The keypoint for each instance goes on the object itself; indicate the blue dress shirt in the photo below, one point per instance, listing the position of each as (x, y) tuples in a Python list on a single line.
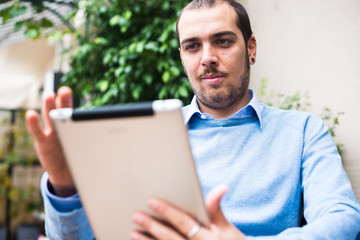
[(280, 166)]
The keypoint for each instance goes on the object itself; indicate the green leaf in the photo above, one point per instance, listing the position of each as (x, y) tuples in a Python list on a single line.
[(127, 14), (174, 71), (123, 29), (118, 71), (153, 46), (102, 9), (132, 47), (163, 37), (107, 58), (148, 79), (32, 33), (122, 60), (5, 14), (183, 91), (19, 25), (140, 47), (46, 23), (100, 41), (166, 6), (17, 11), (162, 93), (103, 85), (163, 48), (114, 20), (166, 76), (136, 92), (127, 69), (174, 43)]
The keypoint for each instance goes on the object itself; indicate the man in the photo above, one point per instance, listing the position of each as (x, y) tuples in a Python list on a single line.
[(277, 166)]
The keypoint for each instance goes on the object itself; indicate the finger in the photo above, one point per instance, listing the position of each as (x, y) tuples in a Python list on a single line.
[(64, 98), (213, 205), (34, 125), (138, 235), (179, 219), (155, 227), (48, 105)]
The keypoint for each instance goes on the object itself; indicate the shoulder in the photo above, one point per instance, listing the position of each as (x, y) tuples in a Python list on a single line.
[(291, 118)]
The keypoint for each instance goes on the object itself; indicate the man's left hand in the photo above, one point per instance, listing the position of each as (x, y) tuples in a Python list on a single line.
[(183, 226)]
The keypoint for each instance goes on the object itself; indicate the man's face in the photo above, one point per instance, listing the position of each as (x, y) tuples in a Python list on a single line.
[(214, 56)]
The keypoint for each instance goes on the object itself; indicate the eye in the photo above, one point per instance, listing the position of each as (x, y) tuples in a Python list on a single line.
[(223, 41), (192, 47)]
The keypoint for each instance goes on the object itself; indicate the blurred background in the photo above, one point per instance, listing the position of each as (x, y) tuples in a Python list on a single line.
[(117, 51)]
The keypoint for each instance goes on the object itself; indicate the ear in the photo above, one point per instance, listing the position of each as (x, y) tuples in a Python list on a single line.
[(252, 49)]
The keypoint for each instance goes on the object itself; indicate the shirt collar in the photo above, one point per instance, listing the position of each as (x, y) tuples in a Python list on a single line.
[(253, 107)]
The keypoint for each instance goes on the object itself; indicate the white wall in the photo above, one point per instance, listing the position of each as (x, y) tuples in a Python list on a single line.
[(314, 45), (23, 67)]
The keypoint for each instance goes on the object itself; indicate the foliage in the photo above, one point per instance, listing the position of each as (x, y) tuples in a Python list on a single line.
[(298, 101), (21, 150), (127, 51), (29, 16), (18, 151)]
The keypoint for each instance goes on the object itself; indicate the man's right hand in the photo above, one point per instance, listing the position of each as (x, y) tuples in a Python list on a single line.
[(47, 145)]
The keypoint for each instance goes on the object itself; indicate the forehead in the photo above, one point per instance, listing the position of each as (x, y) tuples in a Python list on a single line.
[(205, 22)]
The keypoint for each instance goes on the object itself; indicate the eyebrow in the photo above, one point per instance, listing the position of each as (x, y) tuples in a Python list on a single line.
[(187, 40), (216, 35), (220, 34)]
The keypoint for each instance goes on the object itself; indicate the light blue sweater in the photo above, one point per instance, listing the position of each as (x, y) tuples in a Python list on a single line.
[(279, 165)]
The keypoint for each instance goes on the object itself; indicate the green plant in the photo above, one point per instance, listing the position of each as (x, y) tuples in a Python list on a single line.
[(299, 101), (18, 150), (127, 51), (28, 16)]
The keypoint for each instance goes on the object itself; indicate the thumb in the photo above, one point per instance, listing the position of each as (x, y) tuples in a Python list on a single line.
[(213, 205)]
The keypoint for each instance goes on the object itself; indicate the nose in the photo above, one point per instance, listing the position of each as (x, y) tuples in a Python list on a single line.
[(209, 57)]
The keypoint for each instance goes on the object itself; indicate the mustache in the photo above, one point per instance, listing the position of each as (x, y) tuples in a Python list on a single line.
[(211, 70)]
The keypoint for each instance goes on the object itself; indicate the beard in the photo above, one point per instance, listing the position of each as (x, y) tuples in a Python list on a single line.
[(231, 93)]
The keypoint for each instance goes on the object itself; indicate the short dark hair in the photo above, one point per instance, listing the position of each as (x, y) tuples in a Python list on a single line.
[(243, 21)]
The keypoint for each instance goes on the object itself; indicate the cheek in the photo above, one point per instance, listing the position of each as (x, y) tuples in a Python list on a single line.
[(234, 60), (191, 66)]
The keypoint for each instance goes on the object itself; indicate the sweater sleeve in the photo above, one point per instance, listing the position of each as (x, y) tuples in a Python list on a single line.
[(64, 217), (330, 206)]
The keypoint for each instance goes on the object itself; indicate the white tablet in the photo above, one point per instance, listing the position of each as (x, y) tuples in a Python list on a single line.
[(122, 155)]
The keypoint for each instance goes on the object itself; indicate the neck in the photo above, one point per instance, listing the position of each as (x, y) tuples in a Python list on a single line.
[(225, 112)]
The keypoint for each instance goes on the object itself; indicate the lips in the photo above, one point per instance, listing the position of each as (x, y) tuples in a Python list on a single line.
[(210, 76), (213, 79)]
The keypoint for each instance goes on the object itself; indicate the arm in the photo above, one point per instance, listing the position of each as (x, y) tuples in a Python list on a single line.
[(47, 145), (330, 207), (64, 219)]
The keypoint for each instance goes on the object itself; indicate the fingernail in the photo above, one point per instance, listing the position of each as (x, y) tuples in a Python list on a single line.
[(139, 219), (154, 204), (135, 235)]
